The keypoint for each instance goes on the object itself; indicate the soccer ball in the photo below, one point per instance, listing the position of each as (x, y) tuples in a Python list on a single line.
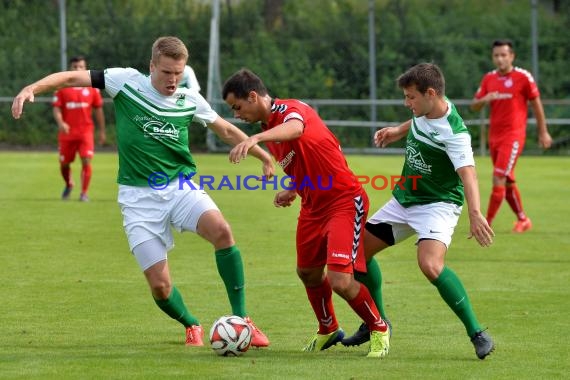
[(230, 335)]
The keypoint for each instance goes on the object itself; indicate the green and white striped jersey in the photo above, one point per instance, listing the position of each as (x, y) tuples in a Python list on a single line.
[(152, 129), (435, 149)]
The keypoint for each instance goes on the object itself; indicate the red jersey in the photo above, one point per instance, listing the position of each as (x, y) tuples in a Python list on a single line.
[(314, 161), (76, 104), (508, 113)]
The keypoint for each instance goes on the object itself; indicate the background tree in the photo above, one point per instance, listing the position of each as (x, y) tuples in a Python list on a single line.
[(310, 49)]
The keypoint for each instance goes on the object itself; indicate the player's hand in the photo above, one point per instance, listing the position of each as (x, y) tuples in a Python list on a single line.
[(268, 170), (491, 96), (64, 128), (386, 136), (481, 230), (102, 138), (544, 140), (284, 198), (26, 94), (239, 152)]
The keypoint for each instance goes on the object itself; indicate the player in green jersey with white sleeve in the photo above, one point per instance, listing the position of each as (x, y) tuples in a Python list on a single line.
[(156, 191), (189, 79), (438, 174)]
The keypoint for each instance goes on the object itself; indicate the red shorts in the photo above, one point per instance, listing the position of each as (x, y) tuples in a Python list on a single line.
[(335, 238), (68, 148), (504, 155)]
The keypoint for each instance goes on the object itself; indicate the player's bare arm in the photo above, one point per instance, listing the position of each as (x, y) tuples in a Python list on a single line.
[(290, 130), (479, 228), (232, 135), (49, 83), (544, 139), (388, 135)]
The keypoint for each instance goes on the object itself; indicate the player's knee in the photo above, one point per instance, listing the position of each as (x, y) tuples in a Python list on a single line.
[(430, 269), (311, 277), (219, 233), (222, 234), (499, 180), (340, 282), (340, 288), (161, 290)]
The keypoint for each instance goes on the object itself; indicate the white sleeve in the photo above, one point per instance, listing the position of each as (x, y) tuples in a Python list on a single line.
[(459, 150), (205, 114), (189, 79), (116, 77)]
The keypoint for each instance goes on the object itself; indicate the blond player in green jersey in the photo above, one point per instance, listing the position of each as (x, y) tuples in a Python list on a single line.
[(156, 192), (439, 173)]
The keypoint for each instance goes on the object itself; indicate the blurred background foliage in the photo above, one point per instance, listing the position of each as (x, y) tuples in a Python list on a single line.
[(307, 49)]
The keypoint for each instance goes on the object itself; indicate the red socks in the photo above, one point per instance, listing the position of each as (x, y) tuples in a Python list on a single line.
[(364, 306), (66, 174), (495, 200), (85, 178), (514, 198), (320, 298)]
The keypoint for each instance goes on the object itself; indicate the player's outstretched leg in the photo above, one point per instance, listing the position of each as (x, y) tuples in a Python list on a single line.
[(483, 344), (230, 268), (454, 294)]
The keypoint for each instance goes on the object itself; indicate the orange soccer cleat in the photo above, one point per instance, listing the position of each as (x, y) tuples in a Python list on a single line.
[(194, 335), (258, 338), (522, 226)]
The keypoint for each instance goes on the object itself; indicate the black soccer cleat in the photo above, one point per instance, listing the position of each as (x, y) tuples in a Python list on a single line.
[(362, 335), (483, 344)]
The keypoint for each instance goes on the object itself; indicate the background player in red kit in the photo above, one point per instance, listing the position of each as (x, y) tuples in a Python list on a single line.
[(72, 109), (333, 205), (507, 90)]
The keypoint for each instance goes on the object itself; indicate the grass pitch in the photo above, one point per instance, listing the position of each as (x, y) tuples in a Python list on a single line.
[(75, 305)]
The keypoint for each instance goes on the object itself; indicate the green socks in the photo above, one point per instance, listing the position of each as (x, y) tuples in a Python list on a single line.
[(175, 308), (453, 293), (448, 284), (373, 281), (230, 268)]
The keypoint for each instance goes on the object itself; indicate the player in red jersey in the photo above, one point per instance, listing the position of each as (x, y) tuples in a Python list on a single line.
[(72, 111), (507, 90), (334, 205)]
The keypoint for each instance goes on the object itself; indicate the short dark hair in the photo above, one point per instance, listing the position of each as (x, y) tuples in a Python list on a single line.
[(241, 83), (503, 42), (77, 58), (169, 46), (423, 76)]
